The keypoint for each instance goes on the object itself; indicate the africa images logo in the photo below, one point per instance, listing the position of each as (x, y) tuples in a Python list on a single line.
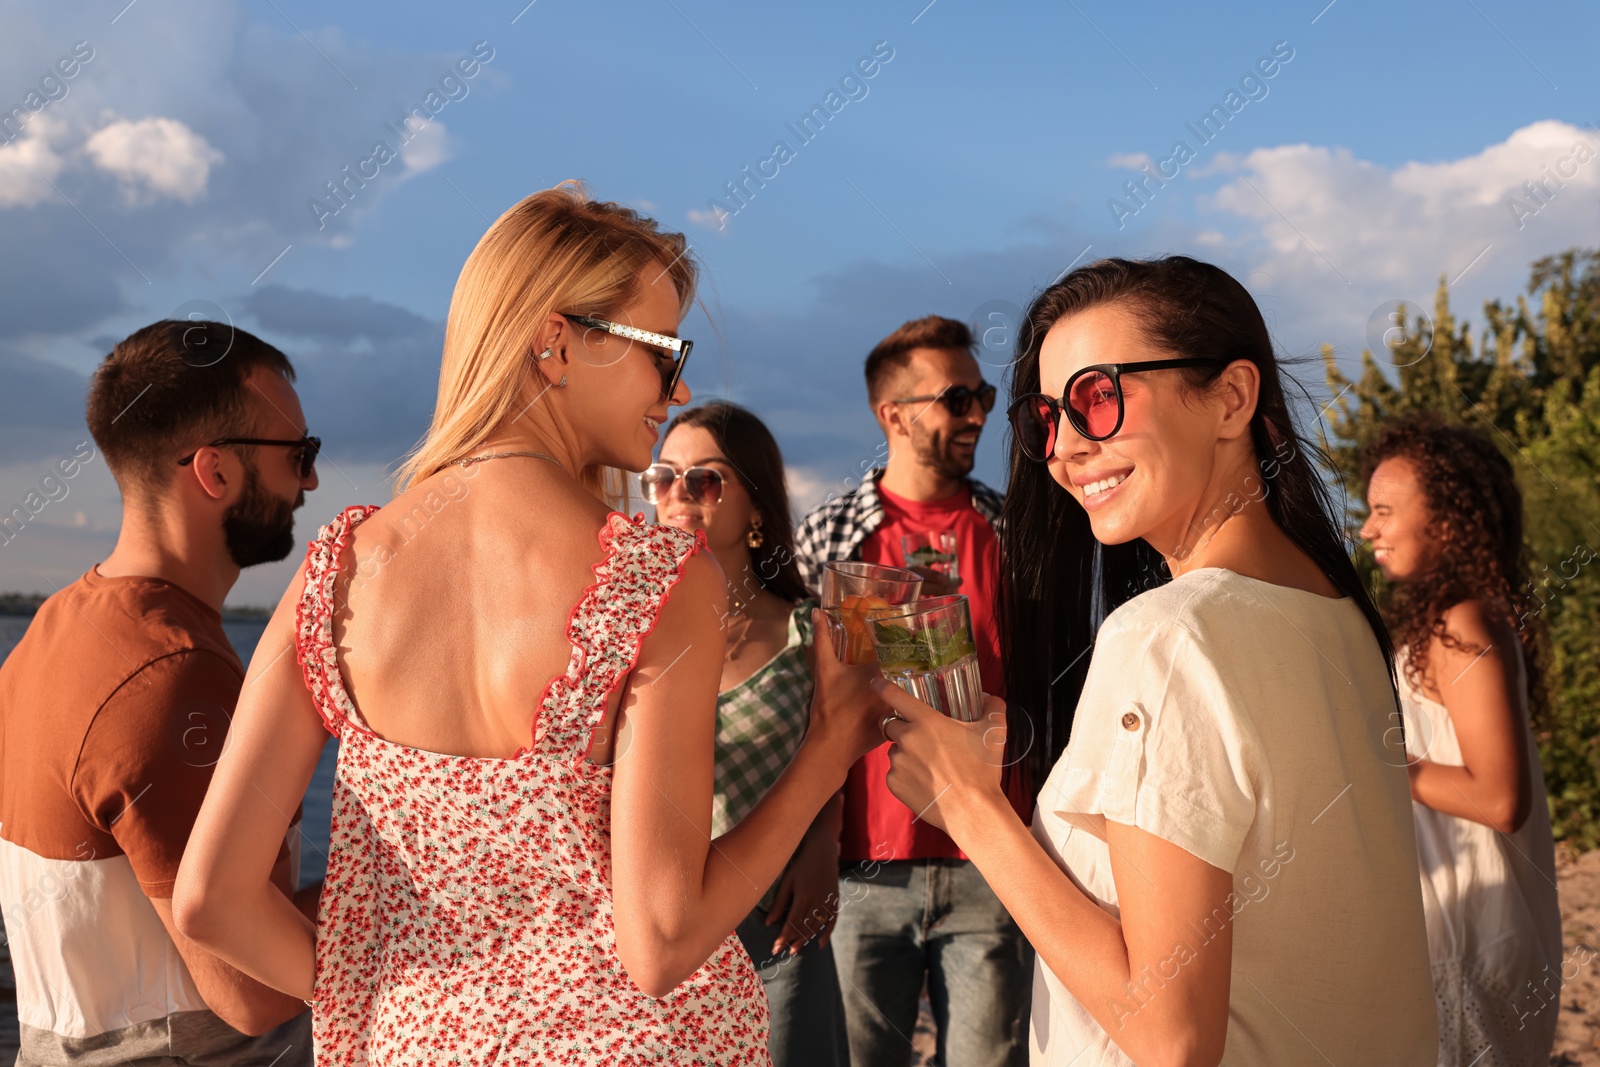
[(1252, 87)]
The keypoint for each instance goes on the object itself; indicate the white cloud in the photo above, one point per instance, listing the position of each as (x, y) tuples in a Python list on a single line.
[(276, 109), (428, 147), (154, 157), (1129, 160), (807, 489), (711, 220), (1322, 211), (28, 165), (1221, 163)]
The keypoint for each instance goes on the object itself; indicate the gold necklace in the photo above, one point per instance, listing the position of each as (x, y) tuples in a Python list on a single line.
[(737, 607), (470, 460), (744, 633)]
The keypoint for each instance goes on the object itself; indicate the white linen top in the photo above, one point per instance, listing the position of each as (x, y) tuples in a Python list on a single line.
[(1254, 726), (1494, 921)]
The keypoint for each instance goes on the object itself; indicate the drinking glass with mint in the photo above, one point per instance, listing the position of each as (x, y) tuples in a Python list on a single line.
[(927, 649)]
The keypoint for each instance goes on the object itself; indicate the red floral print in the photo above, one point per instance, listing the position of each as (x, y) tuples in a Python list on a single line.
[(466, 917)]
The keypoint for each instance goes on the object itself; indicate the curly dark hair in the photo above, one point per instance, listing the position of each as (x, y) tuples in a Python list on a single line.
[(1475, 517)]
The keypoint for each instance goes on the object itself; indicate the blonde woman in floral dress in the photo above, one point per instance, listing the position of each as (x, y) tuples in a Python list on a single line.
[(522, 869)]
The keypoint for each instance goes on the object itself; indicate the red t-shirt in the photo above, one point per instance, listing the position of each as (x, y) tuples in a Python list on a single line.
[(877, 826)]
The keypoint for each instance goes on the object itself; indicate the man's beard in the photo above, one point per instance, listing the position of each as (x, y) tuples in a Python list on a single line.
[(259, 527), (935, 451)]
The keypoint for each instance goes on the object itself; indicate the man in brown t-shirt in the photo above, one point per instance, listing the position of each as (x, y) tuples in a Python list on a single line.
[(115, 706)]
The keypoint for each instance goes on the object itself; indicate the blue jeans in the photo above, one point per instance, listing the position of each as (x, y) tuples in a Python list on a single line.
[(802, 998), (905, 921)]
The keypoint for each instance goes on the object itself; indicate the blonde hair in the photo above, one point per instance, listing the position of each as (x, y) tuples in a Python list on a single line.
[(556, 251)]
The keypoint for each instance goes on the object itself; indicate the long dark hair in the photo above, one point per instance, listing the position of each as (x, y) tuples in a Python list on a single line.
[(752, 452), (1059, 582), (1475, 517)]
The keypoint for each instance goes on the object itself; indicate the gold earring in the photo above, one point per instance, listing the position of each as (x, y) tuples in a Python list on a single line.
[(755, 538)]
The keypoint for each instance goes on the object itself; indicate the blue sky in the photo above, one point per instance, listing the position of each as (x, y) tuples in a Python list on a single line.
[(175, 169)]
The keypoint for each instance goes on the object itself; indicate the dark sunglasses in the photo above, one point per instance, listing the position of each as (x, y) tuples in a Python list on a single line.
[(669, 366), (1092, 401), (702, 485), (309, 447), (957, 399)]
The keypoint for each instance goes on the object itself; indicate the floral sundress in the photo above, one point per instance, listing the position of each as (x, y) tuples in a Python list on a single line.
[(467, 913)]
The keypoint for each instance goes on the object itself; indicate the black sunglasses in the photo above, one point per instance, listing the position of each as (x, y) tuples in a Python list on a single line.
[(309, 447), (670, 367), (957, 399), (702, 485), (1092, 401)]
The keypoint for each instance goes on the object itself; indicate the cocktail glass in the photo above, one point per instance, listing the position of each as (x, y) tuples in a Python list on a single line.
[(850, 590), (935, 549), (927, 650)]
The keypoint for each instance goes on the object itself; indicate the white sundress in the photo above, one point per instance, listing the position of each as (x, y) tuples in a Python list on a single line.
[(1494, 921)]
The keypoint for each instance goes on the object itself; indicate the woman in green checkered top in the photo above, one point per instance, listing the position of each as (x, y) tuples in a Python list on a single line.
[(721, 472)]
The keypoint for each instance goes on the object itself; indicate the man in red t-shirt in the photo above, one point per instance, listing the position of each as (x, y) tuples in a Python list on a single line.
[(913, 908)]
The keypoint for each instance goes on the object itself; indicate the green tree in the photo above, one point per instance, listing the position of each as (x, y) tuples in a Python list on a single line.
[(1532, 380)]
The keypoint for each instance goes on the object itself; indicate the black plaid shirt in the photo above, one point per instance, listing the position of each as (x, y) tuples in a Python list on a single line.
[(836, 528)]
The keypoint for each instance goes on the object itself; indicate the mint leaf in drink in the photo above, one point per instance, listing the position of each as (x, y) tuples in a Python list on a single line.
[(954, 652), (946, 641), (889, 633), (899, 648), (920, 647), (946, 648)]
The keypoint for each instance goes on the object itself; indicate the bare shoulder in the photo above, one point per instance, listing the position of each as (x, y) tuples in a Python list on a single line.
[(700, 596), (465, 519), (1476, 637), (1474, 627)]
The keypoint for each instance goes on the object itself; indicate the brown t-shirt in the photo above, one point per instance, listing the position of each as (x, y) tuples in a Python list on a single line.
[(113, 711)]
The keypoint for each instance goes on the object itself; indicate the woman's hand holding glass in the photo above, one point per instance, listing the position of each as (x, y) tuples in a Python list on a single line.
[(944, 770), (845, 707)]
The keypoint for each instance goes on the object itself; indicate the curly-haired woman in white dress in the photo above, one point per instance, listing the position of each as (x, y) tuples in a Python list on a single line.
[(1446, 529)]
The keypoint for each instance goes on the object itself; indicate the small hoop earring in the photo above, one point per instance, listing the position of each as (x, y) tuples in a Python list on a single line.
[(541, 357)]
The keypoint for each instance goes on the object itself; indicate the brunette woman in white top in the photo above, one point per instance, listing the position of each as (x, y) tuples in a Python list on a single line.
[(1222, 864), (1446, 529)]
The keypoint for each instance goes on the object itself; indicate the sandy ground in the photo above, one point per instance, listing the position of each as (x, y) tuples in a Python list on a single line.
[(1577, 1030)]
